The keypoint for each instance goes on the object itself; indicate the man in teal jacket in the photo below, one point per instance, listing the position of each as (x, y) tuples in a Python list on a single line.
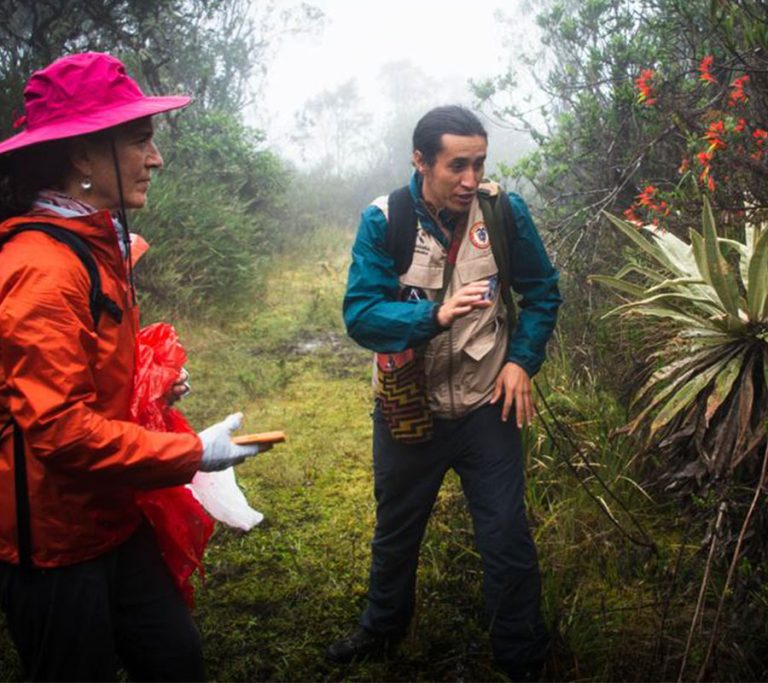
[(478, 373)]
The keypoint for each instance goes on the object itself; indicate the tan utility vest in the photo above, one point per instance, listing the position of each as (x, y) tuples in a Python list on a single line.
[(463, 362)]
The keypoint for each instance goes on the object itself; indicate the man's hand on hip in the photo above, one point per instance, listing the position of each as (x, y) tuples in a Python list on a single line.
[(515, 384), (464, 300)]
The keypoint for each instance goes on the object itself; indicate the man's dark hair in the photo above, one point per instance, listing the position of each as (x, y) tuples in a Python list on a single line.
[(451, 119)]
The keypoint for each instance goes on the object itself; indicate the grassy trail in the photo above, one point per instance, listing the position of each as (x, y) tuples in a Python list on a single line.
[(276, 596)]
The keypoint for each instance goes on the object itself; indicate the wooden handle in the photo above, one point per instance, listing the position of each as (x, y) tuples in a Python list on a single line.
[(261, 437)]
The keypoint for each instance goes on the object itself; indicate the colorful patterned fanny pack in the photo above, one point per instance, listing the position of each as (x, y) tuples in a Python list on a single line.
[(401, 391)]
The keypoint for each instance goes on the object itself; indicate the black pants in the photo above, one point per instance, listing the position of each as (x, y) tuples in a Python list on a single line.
[(486, 453), (77, 623)]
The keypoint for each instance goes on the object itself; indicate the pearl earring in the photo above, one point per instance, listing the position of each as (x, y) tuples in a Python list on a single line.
[(86, 184)]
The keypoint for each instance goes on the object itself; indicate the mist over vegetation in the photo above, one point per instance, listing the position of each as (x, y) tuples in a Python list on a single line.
[(638, 132)]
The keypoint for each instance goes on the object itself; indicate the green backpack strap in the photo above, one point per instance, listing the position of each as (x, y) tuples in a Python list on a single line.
[(500, 222)]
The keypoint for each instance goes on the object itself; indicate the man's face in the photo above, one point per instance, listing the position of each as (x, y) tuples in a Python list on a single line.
[(451, 182)]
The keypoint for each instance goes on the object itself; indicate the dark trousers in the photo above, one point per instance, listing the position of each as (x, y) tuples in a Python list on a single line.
[(486, 453), (77, 623)]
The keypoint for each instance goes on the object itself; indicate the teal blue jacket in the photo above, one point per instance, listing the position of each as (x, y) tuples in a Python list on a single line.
[(376, 319)]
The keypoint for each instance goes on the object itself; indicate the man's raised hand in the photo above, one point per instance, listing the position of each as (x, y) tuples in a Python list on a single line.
[(463, 301)]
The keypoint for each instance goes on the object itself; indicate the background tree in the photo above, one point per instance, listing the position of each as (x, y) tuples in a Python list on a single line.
[(598, 146), (210, 219), (332, 131)]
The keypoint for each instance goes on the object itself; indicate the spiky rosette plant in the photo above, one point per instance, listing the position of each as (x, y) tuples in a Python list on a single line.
[(705, 397)]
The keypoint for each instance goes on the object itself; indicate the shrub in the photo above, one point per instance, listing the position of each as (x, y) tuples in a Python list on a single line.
[(205, 248)]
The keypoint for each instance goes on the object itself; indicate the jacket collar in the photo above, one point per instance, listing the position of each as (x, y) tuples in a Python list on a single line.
[(97, 229), (425, 216)]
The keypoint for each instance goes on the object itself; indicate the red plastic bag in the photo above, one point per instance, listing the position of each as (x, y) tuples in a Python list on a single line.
[(181, 525)]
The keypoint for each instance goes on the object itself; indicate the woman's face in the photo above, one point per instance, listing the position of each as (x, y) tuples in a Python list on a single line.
[(137, 156)]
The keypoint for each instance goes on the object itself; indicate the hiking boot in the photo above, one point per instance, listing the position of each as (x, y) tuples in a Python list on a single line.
[(360, 643)]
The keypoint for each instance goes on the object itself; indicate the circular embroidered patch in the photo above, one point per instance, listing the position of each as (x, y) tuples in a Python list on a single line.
[(478, 235)]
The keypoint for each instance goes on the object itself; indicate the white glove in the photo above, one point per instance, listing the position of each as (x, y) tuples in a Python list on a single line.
[(181, 387), (218, 450)]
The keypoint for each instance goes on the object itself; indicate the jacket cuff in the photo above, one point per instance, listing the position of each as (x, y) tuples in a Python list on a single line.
[(435, 310), (530, 365)]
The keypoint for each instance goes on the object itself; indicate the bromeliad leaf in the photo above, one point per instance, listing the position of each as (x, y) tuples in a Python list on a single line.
[(723, 385), (671, 314), (648, 247), (678, 253), (718, 270), (683, 373), (618, 284), (685, 395), (644, 272), (671, 370), (757, 290), (677, 283), (669, 297)]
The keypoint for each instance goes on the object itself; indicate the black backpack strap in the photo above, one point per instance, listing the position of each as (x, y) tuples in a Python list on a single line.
[(23, 527), (23, 532), (400, 238), (500, 221), (98, 301)]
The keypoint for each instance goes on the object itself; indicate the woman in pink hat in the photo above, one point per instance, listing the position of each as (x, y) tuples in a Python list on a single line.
[(82, 582)]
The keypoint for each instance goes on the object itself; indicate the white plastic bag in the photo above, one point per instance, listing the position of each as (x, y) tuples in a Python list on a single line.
[(222, 498)]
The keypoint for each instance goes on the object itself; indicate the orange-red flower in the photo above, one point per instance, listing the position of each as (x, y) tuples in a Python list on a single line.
[(631, 216), (714, 135), (644, 86), (740, 126), (761, 138), (646, 197), (737, 94), (705, 70)]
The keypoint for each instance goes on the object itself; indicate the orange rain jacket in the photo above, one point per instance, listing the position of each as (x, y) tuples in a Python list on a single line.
[(68, 386)]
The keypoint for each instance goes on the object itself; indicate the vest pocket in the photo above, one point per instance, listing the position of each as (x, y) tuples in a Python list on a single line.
[(482, 358), (423, 276), (476, 269), (483, 341)]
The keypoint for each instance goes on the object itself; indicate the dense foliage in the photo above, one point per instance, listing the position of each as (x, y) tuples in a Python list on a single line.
[(651, 109), (648, 107), (212, 213), (619, 104)]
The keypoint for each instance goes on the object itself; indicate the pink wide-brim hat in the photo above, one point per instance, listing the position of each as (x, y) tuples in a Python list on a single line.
[(81, 94)]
